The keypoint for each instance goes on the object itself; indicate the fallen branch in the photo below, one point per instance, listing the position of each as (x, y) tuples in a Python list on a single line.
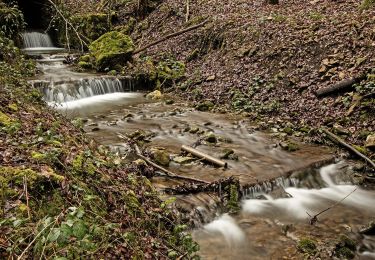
[(337, 139), (314, 219), (341, 86), (82, 42), (204, 156), (170, 36), (167, 172), (27, 196)]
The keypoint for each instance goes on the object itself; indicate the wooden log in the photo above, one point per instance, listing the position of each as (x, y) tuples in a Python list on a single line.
[(167, 172), (204, 156), (343, 85), (337, 139)]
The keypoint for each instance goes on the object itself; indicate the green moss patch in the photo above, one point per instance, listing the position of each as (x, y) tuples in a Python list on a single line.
[(111, 49)]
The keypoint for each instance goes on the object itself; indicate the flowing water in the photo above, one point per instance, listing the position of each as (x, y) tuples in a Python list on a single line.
[(35, 43), (277, 187)]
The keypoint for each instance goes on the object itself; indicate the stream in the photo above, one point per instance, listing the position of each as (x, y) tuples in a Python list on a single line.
[(278, 187)]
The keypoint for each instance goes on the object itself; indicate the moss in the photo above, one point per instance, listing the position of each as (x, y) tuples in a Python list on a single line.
[(38, 156), (345, 247), (233, 205), (13, 107), (307, 246), (288, 130), (110, 49), (170, 69), (5, 120), (366, 4), (78, 162), (361, 149)]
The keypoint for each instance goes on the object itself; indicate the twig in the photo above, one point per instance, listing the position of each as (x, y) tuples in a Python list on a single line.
[(314, 219), (170, 36), (82, 42), (169, 173), (337, 139), (187, 11), (204, 156), (26, 195)]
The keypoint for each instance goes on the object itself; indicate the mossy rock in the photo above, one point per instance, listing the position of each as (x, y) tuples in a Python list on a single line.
[(204, 106), (160, 156), (307, 246), (170, 69), (345, 248), (111, 49), (154, 95), (85, 65), (5, 120)]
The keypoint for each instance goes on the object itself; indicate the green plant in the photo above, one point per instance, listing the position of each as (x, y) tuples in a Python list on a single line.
[(11, 21)]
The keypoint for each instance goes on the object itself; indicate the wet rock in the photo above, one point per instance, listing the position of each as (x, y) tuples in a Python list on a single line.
[(204, 106), (340, 130), (160, 156), (226, 153), (93, 124), (288, 130), (154, 95), (370, 141), (369, 229), (129, 115), (194, 130), (233, 157), (183, 159), (95, 129), (225, 139), (169, 102), (289, 146), (210, 138), (137, 135)]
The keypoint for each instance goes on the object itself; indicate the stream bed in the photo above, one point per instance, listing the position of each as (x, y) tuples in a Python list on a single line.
[(278, 187)]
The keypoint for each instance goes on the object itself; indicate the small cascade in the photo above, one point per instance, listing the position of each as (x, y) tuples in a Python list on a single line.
[(66, 91), (36, 40), (266, 187)]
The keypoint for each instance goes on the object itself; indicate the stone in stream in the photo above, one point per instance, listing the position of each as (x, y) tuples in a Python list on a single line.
[(369, 229), (154, 95), (160, 156), (183, 159), (210, 138), (226, 153)]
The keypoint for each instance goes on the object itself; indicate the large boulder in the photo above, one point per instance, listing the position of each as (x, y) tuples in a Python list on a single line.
[(110, 50)]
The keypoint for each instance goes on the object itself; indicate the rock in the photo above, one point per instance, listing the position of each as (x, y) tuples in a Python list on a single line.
[(226, 153), (340, 130), (194, 130), (95, 129), (289, 146), (370, 141), (369, 229), (183, 159), (160, 156), (288, 130), (169, 102), (345, 248), (111, 49), (211, 78), (204, 106), (154, 95), (210, 138)]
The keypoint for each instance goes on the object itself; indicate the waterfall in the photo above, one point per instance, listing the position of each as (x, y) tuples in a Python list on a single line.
[(60, 92), (36, 40)]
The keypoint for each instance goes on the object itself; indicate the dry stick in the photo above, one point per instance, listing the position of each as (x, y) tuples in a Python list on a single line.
[(314, 219), (82, 42), (340, 86), (169, 173), (204, 156), (26, 195), (170, 36), (187, 11), (337, 139)]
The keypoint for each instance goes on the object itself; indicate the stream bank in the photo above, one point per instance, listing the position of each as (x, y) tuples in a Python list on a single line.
[(277, 187)]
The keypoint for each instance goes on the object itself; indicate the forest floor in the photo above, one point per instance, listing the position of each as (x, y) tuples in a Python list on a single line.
[(266, 61)]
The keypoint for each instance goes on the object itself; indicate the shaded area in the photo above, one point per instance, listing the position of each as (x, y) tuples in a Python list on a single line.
[(35, 13)]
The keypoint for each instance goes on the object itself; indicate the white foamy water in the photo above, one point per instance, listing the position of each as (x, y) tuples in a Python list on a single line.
[(228, 228), (96, 101), (36, 39), (307, 200)]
